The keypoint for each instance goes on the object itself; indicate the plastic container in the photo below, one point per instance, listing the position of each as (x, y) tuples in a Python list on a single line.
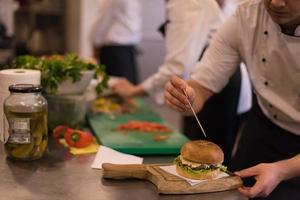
[(66, 110)]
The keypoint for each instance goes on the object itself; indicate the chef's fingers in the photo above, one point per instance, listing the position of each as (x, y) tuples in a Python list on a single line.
[(174, 101), (247, 192), (178, 82), (124, 81), (174, 107), (252, 171), (118, 88), (254, 191), (187, 91), (119, 82), (175, 90), (191, 94)]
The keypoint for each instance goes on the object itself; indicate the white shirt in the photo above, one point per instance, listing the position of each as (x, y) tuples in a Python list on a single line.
[(272, 60), (191, 24), (7, 9), (119, 23)]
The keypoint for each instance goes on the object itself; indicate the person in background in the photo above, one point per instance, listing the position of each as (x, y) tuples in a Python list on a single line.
[(190, 25), (115, 36), (265, 34), (7, 9)]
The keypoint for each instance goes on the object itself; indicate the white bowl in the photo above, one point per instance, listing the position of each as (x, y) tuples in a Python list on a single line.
[(79, 87)]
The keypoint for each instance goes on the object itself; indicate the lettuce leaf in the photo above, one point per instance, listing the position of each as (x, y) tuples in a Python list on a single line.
[(188, 169)]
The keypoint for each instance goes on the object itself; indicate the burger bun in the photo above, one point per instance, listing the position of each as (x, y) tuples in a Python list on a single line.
[(202, 151)]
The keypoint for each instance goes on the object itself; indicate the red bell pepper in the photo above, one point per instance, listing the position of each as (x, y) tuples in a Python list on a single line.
[(59, 132), (78, 138)]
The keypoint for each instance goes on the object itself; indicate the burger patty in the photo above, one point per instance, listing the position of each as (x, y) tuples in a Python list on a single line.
[(204, 166), (198, 167)]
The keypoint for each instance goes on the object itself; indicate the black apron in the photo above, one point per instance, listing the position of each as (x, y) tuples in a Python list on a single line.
[(120, 60), (263, 142)]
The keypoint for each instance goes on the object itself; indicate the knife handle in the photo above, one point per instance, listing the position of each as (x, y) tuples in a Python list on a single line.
[(116, 171)]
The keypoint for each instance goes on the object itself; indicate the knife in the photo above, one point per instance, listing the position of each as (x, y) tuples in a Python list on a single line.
[(227, 172)]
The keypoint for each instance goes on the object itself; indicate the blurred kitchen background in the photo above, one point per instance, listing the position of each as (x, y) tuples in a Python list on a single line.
[(59, 26), (41, 27)]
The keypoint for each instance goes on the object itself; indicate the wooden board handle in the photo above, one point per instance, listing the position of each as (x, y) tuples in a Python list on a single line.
[(115, 171)]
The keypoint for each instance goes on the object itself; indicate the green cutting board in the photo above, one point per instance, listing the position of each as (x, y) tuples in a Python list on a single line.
[(137, 143)]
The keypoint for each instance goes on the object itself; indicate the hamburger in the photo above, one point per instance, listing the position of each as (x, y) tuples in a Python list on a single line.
[(200, 159)]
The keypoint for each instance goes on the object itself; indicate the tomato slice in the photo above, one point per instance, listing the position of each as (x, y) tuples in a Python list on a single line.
[(143, 126), (159, 138)]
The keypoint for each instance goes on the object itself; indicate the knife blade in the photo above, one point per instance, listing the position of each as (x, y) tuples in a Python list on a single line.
[(228, 172)]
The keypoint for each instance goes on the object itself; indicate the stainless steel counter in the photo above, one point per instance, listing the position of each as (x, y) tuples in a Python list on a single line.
[(61, 176)]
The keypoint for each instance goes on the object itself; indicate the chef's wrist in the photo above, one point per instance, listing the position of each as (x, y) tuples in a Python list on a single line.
[(289, 168), (202, 94), (138, 90)]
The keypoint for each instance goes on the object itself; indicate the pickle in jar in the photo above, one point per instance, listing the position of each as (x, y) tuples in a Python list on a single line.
[(28, 134)]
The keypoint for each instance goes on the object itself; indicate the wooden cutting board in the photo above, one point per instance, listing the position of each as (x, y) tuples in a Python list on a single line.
[(165, 182)]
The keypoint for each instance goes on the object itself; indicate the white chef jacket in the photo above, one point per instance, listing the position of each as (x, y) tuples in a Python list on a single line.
[(191, 22), (119, 23), (272, 59)]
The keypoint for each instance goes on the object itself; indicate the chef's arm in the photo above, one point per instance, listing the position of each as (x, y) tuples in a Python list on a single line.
[(187, 33), (289, 168), (139, 90), (126, 89)]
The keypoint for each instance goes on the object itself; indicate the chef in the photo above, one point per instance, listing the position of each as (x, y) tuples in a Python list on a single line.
[(191, 24), (115, 35), (265, 34)]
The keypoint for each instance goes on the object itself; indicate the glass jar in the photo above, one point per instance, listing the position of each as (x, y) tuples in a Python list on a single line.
[(26, 111)]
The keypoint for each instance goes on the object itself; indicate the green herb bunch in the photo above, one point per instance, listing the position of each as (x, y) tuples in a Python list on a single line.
[(57, 68)]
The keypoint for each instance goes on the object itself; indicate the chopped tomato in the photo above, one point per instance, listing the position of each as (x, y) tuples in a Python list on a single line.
[(158, 138), (143, 126), (77, 138)]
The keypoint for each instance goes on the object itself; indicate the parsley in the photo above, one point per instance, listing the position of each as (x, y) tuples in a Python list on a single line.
[(56, 68)]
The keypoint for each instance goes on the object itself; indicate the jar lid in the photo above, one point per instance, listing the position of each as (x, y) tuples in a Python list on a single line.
[(25, 88)]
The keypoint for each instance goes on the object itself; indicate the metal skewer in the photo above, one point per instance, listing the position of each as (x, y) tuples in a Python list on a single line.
[(195, 114)]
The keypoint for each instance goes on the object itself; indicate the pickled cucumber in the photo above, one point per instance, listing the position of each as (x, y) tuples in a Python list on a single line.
[(37, 136), (23, 151), (39, 150)]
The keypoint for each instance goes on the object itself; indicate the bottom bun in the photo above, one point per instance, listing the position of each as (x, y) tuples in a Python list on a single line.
[(201, 176)]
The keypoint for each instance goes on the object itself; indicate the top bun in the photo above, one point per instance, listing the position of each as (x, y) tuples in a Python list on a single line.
[(202, 151)]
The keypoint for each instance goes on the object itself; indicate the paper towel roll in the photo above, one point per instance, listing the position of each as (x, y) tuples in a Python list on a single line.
[(9, 77), (17, 76)]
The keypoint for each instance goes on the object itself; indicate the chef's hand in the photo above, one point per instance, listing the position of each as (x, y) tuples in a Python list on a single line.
[(126, 89), (267, 175), (178, 94)]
